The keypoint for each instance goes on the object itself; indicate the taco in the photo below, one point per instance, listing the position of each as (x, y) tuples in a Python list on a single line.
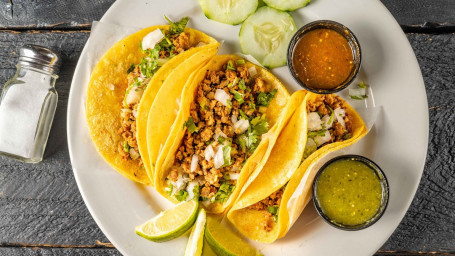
[(127, 77), (274, 199), (230, 114)]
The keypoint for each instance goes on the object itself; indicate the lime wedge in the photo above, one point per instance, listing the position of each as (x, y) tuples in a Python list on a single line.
[(225, 242), (196, 240), (171, 223)]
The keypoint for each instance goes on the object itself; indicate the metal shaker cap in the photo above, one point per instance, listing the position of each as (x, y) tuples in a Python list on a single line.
[(39, 57)]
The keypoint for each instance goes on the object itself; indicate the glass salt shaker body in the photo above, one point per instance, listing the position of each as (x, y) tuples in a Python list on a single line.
[(27, 105)]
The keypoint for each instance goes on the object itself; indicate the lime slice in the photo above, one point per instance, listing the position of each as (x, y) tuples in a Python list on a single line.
[(196, 240), (171, 223), (224, 241)]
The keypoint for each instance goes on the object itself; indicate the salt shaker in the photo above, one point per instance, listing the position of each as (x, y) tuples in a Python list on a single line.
[(27, 105)]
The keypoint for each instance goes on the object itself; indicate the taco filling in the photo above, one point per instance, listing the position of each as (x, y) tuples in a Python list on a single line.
[(158, 47), (328, 122), (224, 128)]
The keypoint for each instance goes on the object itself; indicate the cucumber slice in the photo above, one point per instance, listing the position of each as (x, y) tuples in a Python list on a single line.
[(266, 35), (287, 5), (228, 11)]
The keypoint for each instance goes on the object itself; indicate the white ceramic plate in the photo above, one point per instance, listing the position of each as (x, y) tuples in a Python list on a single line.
[(397, 142)]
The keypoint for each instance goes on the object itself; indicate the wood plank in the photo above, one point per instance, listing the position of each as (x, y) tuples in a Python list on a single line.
[(428, 225), (29, 14), (422, 13), (40, 204), (18, 251)]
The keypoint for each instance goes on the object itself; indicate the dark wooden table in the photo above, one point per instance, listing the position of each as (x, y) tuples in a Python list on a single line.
[(42, 212)]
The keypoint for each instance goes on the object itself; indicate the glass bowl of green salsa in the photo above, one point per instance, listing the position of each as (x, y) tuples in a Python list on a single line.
[(350, 192)]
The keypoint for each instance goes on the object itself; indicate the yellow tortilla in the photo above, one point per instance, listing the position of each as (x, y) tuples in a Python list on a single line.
[(284, 167), (274, 113), (164, 109), (106, 91)]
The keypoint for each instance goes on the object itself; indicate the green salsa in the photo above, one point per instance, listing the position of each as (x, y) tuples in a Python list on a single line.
[(349, 192)]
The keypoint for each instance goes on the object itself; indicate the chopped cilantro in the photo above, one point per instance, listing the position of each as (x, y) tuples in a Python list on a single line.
[(332, 114), (179, 26), (130, 69), (358, 98), (169, 189), (226, 176), (230, 66), (264, 98), (243, 115), (260, 125), (227, 156), (313, 134), (362, 85), (203, 105), (126, 147), (347, 136), (251, 139), (242, 84), (221, 139), (224, 192), (274, 211), (238, 96), (252, 105), (240, 62), (191, 126), (182, 195), (229, 104), (233, 83), (208, 142), (196, 190)]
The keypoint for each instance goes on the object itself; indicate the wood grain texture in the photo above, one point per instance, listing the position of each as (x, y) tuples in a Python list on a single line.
[(422, 13), (429, 224), (51, 14), (57, 252)]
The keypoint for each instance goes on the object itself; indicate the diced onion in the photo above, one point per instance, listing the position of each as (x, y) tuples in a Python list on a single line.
[(241, 126), (151, 39), (190, 189), (340, 114), (234, 119), (357, 93), (194, 161), (209, 153), (134, 96), (314, 121), (134, 113), (134, 155), (222, 96), (233, 175), (327, 122), (219, 159), (323, 139), (252, 71)]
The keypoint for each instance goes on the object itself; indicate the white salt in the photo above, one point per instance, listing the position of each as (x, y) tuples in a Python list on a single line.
[(20, 111)]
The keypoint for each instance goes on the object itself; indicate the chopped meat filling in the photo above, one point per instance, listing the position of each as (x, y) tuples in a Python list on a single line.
[(223, 130), (138, 79), (324, 105), (270, 207)]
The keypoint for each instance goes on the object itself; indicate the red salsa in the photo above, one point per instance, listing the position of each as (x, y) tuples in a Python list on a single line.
[(322, 59)]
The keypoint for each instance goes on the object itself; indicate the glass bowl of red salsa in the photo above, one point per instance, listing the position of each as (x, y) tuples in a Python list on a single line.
[(350, 192), (324, 56)]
